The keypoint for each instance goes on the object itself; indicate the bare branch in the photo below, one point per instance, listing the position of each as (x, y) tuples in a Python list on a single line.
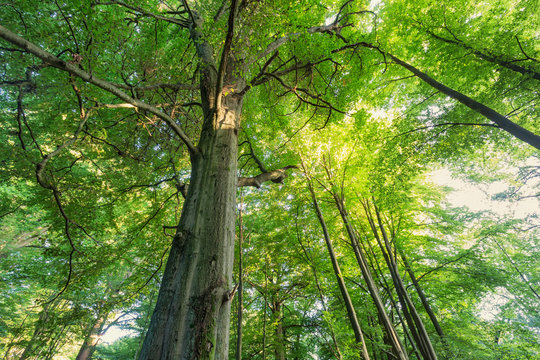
[(276, 176)]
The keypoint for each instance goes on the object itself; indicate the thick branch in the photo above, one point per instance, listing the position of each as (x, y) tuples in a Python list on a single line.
[(175, 87), (105, 85), (504, 123), (276, 44), (226, 51)]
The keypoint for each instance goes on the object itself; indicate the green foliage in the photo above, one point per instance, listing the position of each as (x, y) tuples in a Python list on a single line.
[(95, 245)]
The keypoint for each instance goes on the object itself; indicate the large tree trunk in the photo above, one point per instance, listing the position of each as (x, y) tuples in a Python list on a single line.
[(191, 318)]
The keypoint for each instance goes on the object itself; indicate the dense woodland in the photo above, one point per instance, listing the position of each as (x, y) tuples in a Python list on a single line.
[(252, 179)]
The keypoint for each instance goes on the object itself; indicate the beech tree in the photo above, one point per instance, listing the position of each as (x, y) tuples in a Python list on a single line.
[(124, 119)]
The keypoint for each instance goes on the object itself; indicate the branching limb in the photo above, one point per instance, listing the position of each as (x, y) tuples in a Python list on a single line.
[(502, 122), (105, 85), (175, 87), (299, 91), (226, 51), (276, 44), (185, 23), (260, 165), (496, 59)]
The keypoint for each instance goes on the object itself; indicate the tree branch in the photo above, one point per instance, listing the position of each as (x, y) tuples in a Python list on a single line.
[(181, 22), (276, 176), (105, 85), (503, 122), (226, 51)]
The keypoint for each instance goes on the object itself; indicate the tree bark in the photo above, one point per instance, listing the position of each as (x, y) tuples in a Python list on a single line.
[(337, 272), (372, 287), (92, 339), (192, 314), (335, 349), (416, 325), (509, 64), (423, 297), (240, 288), (279, 341), (502, 121)]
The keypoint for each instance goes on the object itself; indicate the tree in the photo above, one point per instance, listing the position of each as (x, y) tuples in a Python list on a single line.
[(147, 96)]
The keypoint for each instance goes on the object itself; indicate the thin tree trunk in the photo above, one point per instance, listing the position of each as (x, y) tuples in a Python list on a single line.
[(92, 339), (336, 350), (337, 272), (366, 273), (265, 306), (240, 288), (44, 331), (422, 337), (384, 284), (423, 297)]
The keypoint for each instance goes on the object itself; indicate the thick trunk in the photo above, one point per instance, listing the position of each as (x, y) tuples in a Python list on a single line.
[(92, 339), (191, 318)]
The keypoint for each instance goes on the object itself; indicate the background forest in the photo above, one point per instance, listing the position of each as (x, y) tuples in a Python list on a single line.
[(346, 246)]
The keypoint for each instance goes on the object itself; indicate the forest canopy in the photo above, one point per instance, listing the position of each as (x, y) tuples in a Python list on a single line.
[(254, 179)]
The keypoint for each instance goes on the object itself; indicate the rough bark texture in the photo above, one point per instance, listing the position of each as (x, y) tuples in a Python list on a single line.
[(279, 340), (191, 318)]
